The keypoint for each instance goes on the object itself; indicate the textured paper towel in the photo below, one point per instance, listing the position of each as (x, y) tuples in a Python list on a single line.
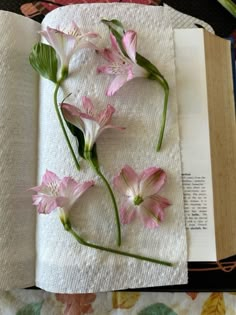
[(18, 162), (62, 264)]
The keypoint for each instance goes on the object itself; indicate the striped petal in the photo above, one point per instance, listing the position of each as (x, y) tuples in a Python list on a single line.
[(151, 213), (116, 84), (151, 181), (129, 42), (126, 182), (127, 212), (72, 114)]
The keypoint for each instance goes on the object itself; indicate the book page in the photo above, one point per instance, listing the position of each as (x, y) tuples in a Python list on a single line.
[(195, 144), (18, 150), (63, 265)]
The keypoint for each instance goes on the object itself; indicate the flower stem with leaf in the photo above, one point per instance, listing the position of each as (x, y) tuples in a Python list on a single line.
[(86, 126), (44, 60), (126, 64)]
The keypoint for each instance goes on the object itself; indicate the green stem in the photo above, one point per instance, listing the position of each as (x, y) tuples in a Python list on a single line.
[(114, 251), (165, 86), (229, 5), (99, 173), (62, 125)]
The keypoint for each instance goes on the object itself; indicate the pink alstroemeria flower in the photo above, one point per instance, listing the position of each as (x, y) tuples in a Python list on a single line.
[(91, 123), (56, 193), (124, 67), (141, 192), (68, 42)]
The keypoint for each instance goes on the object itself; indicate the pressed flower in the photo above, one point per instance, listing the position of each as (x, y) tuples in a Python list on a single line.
[(86, 126), (55, 193), (91, 123), (126, 63), (141, 195), (121, 65), (63, 193), (67, 43)]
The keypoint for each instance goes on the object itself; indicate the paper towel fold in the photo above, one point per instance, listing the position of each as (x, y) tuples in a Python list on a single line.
[(63, 265)]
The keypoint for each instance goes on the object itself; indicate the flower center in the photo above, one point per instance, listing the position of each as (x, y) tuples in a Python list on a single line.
[(53, 187), (137, 200)]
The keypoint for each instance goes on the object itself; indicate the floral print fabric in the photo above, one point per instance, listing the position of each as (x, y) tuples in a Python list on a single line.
[(38, 302)]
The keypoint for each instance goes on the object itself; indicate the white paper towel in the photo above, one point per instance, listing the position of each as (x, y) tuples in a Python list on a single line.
[(63, 265)]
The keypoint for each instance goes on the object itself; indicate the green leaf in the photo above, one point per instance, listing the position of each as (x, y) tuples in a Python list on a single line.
[(44, 60), (78, 133), (158, 308), (94, 157), (115, 25), (31, 309), (117, 29), (146, 64)]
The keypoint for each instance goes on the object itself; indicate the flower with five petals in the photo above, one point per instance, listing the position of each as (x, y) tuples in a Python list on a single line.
[(55, 193), (91, 123), (122, 65), (67, 43), (141, 193)]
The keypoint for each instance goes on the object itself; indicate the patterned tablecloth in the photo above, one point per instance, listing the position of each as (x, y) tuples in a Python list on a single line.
[(36, 302)]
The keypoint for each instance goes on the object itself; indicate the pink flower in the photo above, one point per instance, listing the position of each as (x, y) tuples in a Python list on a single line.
[(58, 193), (91, 123), (123, 66), (67, 43), (141, 192)]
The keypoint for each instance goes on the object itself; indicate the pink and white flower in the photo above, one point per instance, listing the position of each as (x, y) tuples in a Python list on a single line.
[(68, 42), (123, 66), (91, 123), (55, 193), (141, 195)]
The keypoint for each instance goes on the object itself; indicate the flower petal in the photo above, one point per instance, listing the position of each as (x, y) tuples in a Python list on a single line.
[(88, 106), (45, 204), (160, 201), (116, 84), (72, 114), (151, 181), (108, 54), (107, 69), (127, 212), (114, 43), (104, 117), (91, 130), (126, 182), (49, 178), (71, 191), (63, 43), (151, 213), (129, 42)]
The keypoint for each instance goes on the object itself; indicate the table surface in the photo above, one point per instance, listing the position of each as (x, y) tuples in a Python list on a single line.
[(203, 276)]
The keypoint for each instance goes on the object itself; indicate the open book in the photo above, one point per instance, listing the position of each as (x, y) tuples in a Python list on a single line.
[(208, 142), (35, 250)]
